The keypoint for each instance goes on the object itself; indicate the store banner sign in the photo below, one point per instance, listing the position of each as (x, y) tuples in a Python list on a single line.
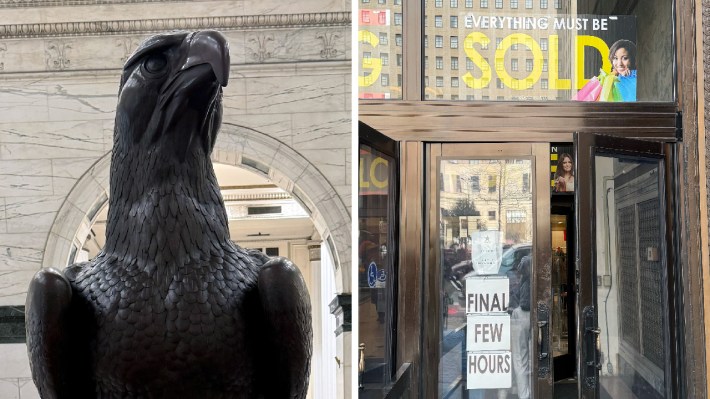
[(580, 57), (486, 251)]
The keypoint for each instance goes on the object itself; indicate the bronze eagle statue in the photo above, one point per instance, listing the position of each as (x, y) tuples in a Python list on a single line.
[(171, 307)]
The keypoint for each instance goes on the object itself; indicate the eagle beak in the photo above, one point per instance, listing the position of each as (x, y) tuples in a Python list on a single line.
[(209, 47)]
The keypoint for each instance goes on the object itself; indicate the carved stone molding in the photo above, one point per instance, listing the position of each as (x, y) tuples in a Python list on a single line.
[(124, 27), (55, 3)]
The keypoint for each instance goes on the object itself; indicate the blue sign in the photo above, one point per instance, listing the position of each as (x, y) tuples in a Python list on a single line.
[(372, 274)]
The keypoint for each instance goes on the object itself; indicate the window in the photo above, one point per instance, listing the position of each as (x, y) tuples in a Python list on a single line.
[(397, 2), (499, 83), (454, 97), (469, 64), (491, 215), (454, 3), (543, 83), (499, 64), (454, 81), (398, 39), (439, 41), (367, 58), (491, 184), (385, 57), (469, 4), (528, 3), (398, 18), (475, 184), (499, 40), (383, 38), (365, 1), (514, 44), (365, 16), (454, 41), (382, 1), (484, 46), (543, 4), (486, 98), (454, 63), (438, 3), (499, 3), (544, 65), (528, 65), (543, 44), (399, 80), (558, 4), (439, 62), (439, 81), (526, 182), (426, 41), (438, 21), (515, 84), (426, 81), (513, 3), (514, 64), (515, 216), (454, 21), (385, 80), (484, 3)]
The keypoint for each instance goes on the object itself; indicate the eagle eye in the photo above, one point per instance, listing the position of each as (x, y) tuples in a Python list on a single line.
[(155, 63)]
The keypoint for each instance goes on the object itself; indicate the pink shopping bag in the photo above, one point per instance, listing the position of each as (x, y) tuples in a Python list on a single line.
[(590, 91)]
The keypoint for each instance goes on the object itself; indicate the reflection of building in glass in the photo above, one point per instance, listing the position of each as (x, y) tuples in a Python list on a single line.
[(486, 195), (380, 37)]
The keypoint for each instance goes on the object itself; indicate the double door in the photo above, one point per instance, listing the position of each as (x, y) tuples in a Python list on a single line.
[(517, 307)]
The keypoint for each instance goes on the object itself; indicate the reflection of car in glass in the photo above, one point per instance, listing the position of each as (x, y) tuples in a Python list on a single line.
[(510, 259)]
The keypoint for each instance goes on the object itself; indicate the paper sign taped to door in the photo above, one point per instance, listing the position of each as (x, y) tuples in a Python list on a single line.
[(486, 252), (487, 370), (488, 332)]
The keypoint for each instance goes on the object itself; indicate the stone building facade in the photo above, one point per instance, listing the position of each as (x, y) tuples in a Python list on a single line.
[(287, 116)]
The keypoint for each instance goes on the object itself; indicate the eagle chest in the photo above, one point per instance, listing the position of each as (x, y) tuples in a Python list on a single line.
[(152, 328)]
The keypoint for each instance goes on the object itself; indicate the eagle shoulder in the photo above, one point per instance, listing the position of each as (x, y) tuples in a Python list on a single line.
[(286, 308), (55, 362)]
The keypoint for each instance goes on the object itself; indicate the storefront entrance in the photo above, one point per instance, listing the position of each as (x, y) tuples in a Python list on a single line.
[(537, 287)]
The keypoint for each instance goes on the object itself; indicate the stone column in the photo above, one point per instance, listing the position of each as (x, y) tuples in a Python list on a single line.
[(341, 307)]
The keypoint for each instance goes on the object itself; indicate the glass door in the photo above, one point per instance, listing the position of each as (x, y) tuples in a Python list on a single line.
[(488, 298), (377, 261), (625, 302)]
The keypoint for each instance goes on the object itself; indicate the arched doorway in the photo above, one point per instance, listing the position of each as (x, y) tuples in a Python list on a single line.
[(281, 173)]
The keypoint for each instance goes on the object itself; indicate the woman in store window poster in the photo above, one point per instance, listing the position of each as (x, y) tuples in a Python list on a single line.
[(564, 175)]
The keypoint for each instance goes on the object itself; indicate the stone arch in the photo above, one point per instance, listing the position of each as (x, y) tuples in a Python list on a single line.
[(237, 146)]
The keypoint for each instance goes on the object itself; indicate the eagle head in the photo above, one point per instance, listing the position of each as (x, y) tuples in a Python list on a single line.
[(170, 98)]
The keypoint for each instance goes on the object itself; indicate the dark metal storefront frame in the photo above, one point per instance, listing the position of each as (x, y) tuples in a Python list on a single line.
[(414, 123)]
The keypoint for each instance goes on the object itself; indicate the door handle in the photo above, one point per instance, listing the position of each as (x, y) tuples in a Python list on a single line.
[(543, 337)]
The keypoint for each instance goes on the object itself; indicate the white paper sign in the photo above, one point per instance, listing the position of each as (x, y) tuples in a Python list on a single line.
[(487, 294), (488, 332), (486, 370), (486, 251)]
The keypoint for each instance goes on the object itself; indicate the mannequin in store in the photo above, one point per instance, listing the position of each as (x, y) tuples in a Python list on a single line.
[(564, 176)]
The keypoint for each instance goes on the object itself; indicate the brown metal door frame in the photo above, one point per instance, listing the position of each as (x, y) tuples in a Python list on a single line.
[(586, 147), (539, 154)]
